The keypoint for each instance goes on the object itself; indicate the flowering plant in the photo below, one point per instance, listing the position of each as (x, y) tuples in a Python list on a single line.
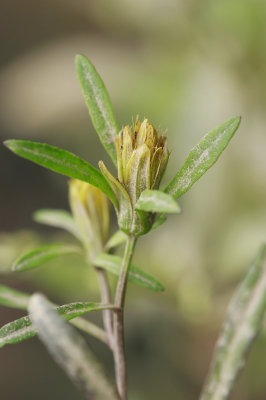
[(140, 156)]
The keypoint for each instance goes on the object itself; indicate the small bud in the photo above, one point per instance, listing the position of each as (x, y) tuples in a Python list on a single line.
[(90, 210), (142, 157)]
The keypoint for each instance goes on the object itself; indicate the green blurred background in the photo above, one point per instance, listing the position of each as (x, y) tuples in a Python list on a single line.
[(187, 65)]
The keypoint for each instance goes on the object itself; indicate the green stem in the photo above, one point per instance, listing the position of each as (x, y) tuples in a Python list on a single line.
[(118, 342)]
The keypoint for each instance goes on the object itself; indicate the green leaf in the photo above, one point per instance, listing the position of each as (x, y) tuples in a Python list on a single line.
[(61, 161), (157, 202), (58, 219), (119, 237), (38, 256), (242, 324), (70, 351), (98, 102), (22, 329), (113, 264), (17, 299), (202, 157), (13, 298)]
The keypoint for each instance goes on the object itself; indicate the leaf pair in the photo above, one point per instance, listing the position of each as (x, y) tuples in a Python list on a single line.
[(109, 262), (62, 219)]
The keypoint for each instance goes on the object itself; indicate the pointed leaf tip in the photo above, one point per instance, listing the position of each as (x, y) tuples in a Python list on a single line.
[(37, 257), (99, 104), (61, 161), (202, 157)]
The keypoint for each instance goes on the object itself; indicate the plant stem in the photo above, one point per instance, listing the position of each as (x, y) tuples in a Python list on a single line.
[(118, 342), (106, 298)]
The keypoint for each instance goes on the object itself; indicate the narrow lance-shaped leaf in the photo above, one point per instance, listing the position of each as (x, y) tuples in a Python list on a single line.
[(242, 324), (70, 351), (202, 157), (58, 219), (98, 102), (17, 299), (22, 328), (61, 161), (13, 298), (157, 202), (35, 258), (113, 264)]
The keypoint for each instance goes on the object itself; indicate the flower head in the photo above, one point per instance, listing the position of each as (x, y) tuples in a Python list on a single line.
[(142, 157), (90, 210)]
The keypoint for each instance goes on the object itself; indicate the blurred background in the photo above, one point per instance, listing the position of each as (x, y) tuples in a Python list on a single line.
[(187, 66)]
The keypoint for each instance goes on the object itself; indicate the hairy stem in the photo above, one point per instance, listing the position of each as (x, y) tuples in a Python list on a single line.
[(106, 298), (118, 342)]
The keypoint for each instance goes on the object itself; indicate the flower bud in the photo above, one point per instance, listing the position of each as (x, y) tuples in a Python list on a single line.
[(90, 210), (142, 157)]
